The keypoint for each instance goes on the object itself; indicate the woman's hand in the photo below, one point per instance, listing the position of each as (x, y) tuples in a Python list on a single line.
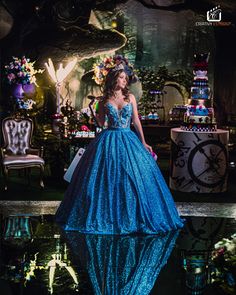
[(147, 147)]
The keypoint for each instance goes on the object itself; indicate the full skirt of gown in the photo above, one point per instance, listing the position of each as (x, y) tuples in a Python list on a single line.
[(117, 188)]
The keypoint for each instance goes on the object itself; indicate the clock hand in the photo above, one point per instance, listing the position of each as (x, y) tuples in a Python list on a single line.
[(211, 161), (201, 150), (209, 168)]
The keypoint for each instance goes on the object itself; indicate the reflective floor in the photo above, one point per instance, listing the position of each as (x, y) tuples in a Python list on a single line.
[(37, 257), (197, 209)]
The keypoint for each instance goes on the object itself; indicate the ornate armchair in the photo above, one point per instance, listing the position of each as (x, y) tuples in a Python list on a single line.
[(17, 152)]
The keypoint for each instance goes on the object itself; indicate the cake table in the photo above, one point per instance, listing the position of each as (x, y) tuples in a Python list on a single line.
[(199, 161)]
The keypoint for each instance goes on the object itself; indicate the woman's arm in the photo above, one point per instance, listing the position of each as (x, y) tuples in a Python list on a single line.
[(137, 123), (101, 114)]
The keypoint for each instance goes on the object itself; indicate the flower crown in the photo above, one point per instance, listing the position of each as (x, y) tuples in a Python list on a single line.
[(118, 62)]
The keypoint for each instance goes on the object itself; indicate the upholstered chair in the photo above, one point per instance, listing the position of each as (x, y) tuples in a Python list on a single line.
[(17, 152)]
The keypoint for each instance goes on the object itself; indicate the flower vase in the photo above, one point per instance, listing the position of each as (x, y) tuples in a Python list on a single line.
[(20, 92), (29, 90), (23, 90), (17, 91)]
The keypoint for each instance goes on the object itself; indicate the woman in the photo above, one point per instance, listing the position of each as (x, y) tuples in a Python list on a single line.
[(117, 187)]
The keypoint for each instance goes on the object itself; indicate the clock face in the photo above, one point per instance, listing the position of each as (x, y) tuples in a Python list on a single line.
[(199, 161), (207, 163)]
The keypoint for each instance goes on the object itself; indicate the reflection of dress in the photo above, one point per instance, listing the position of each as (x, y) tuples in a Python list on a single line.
[(117, 187), (121, 265)]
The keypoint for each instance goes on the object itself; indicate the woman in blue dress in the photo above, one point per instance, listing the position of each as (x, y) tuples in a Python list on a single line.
[(117, 187)]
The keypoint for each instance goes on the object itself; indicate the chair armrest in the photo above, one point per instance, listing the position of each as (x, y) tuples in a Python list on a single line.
[(34, 151), (3, 152)]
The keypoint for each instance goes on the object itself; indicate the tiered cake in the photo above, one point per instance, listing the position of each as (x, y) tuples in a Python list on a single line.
[(199, 115)]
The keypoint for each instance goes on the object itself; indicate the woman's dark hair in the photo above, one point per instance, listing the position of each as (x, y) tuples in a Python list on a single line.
[(111, 82)]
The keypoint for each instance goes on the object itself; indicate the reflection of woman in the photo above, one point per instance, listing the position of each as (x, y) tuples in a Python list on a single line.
[(121, 264), (117, 187)]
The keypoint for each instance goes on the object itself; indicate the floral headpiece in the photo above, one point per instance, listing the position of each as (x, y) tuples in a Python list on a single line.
[(118, 62), (21, 71)]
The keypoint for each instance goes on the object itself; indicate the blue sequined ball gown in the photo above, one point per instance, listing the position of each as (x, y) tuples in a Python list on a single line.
[(117, 187)]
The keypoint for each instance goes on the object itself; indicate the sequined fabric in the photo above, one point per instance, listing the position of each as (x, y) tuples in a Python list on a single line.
[(121, 265), (119, 118), (117, 187)]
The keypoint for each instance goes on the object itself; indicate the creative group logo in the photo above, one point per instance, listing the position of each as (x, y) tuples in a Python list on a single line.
[(214, 16)]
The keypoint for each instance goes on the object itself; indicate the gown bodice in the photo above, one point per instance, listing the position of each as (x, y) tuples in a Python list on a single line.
[(118, 118)]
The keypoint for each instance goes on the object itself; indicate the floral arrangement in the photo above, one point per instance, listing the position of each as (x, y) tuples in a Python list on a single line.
[(102, 68), (224, 261), (21, 71), (25, 105)]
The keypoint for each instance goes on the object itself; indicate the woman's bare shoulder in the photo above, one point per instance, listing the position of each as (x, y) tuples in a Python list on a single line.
[(131, 98)]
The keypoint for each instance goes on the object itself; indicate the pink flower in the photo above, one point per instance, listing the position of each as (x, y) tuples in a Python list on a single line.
[(84, 128), (11, 76), (221, 251), (20, 74)]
